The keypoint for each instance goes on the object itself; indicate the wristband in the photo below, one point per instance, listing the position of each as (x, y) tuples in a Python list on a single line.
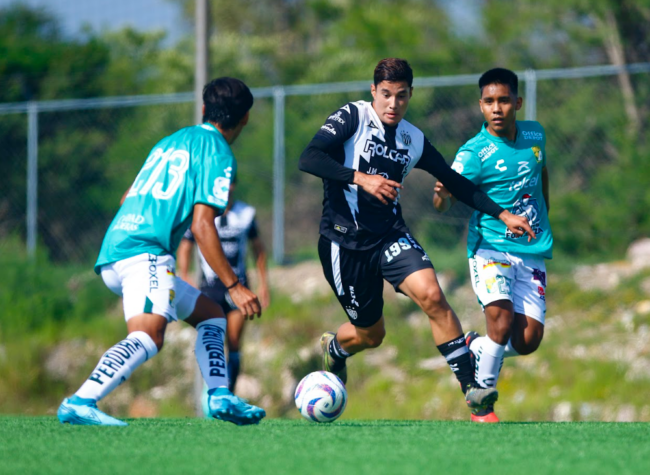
[(233, 284)]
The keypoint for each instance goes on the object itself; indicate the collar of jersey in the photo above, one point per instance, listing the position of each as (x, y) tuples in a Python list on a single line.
[(496, 138), (209, 126)]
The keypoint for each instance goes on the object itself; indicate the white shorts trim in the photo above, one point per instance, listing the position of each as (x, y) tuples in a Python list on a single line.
[(520, 278), (148, 284)]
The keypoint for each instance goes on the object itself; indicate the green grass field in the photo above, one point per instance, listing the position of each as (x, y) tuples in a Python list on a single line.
[(180, 446)]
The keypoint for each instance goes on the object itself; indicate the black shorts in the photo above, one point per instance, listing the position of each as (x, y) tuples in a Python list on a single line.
[(218, 293), (357, 276)]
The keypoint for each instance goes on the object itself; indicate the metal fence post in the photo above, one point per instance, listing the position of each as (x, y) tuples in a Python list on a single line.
[(278, 174), (531, 94), (32, 178)]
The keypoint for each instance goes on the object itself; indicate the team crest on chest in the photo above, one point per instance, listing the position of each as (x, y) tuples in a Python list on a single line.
[(406, 138), (537, 150)]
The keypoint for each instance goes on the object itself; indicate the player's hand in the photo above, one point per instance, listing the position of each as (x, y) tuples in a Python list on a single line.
[(517, 224), (264, 296), (441, 190), (381, 188), (246, 301)]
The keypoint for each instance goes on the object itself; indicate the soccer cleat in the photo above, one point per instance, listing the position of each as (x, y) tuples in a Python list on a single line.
[(328, 361), (469, 338), (479, 398), (225, 406), (85, 414), (485, 415)]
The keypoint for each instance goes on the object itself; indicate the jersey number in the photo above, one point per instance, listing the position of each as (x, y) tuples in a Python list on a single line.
[(396, 248), (178, 161)]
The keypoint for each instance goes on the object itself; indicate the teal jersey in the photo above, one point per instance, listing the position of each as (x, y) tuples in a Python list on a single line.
[(193, 165), (511, 174)]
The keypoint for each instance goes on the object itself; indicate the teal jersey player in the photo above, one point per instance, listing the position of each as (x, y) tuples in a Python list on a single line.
[(506, 160), (510, 173), (193, 165), (185, 181)]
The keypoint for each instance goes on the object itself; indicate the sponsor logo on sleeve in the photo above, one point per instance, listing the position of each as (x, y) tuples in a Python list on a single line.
[(220, 191), (458, 167), (329, 128), (487, 152), (532, 135), (341, 229), (337, 118)]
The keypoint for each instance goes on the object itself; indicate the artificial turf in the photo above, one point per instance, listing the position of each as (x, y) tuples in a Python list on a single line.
[(276, 446)]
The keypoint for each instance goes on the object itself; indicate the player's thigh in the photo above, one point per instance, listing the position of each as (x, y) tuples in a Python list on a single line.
[(356, 281), (147, 283), (401, 256), (530, 287), (492, 275)]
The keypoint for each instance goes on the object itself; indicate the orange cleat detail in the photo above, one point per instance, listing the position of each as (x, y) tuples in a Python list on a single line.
[(485, 417)]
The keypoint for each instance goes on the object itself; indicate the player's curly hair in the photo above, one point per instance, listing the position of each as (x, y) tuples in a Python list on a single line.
[(226, 101), (500, 76), (393, 70)]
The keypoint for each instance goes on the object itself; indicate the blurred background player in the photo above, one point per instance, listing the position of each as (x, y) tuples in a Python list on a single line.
[(236, 228), (506, 159), (363, 152), (184, 181)]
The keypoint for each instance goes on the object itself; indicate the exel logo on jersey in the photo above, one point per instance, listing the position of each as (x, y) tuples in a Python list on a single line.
[(379, 149)]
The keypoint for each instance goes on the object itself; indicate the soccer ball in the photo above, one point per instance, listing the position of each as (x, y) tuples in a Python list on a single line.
[(321, 397)]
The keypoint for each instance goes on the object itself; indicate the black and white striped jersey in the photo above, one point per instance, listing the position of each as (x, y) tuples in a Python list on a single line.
[(354, 139), (235, 229)]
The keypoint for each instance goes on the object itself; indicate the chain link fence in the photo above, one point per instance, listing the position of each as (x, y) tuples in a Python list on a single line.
[(67, 163)]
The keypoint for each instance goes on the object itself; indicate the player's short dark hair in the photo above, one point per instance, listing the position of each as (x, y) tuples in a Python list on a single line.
[(393, 70), (226, 101), (500, 76)]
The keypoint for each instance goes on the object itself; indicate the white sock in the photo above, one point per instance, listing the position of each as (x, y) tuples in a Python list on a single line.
[(210, 354), (117, 364), (510, 350), (489, 357)]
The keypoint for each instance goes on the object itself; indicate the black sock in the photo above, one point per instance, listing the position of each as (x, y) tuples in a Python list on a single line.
[(457, 355), (338, 354)]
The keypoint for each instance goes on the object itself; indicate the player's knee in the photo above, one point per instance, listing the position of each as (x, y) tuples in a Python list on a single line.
[(159, 340), (433, 301), (374, 339), (529, 342)]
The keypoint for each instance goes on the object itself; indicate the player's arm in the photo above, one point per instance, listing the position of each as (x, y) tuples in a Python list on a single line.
[(470, 194), (207, 238), (317, 160), (183, 259), (545, 188), (259, 253), (442, 199), (260, 262), (124, 195)]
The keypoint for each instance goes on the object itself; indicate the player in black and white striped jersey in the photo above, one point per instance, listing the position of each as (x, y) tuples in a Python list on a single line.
[(363, 153)]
